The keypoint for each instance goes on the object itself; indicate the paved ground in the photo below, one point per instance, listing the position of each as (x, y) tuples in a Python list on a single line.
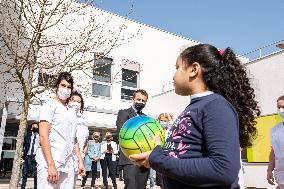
[(4, 184)]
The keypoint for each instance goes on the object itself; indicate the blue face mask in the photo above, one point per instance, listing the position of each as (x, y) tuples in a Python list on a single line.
[(63, 93), (164, 124), (281, 112), (75, 105)]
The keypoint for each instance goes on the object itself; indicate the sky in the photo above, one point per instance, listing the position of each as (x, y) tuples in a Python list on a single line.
[(243, 25)]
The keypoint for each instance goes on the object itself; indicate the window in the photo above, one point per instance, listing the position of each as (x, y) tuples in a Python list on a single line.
[(102, 77), (101, 90), (45, 79), (130, 77), (127, 94)]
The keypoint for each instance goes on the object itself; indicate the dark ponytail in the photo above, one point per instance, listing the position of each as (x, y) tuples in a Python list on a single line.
[(224, 74)]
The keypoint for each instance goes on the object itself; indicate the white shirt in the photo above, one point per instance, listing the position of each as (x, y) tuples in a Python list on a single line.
[(62, 133), (277, 142), (104, 148), (82, 132), (36, 144)]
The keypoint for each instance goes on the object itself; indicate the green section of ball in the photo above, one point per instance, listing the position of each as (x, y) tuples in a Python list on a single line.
[(138, 135)]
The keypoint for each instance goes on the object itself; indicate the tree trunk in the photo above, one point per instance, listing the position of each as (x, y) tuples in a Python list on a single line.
[(15, 177)]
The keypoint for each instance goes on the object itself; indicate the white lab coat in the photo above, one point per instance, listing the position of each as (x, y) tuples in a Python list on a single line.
[(62, 141), (82, 133)]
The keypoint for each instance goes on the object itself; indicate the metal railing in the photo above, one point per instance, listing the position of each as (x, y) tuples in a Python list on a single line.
[(263, 51)]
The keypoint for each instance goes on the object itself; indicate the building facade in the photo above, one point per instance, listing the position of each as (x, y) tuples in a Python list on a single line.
[(145, 58)]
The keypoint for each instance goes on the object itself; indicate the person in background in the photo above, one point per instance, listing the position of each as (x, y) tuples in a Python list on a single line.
[(276, 157), (166, 121), (108, 158), (116, 167), (56, 164), (76, 101), (134, 177), (31, 144), (92, 159), (152, 178), (203, 145), (119, 168)]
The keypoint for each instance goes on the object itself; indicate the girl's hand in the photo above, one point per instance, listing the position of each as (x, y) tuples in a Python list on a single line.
[(53, 176), (141, 159), (82, 170)]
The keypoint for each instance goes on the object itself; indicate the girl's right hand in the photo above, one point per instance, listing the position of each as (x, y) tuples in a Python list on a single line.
[(53, 176), (141, 159)]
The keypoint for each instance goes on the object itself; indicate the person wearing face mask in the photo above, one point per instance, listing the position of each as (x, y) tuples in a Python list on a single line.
[(56, 164), (92, 160), (276, 157), (166, 121), (134, 177), (108, 158), (31, 144), (76, 102)]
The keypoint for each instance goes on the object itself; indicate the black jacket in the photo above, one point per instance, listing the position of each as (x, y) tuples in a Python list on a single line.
[(122, 117), (27, 143)]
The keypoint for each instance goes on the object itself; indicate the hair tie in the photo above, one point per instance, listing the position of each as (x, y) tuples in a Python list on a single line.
[(221, 51)]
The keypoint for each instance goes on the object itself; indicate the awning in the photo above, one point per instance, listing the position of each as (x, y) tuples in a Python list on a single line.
[(100, 119)]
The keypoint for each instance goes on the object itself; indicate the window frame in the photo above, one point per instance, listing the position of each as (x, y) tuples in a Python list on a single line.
[(127, 87), (109, 84), (49, 76)]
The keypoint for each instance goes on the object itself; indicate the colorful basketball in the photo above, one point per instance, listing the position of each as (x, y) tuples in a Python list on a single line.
[(138, 135)]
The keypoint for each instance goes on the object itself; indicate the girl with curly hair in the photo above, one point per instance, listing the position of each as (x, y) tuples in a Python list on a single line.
[(202, 149)]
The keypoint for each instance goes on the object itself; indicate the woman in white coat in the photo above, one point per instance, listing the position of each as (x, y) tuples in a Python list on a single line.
[(76, 102), (56, 165)]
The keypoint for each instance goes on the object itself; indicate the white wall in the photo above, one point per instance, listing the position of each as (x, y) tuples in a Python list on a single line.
[(155, 50), (255, 175), (267, 76), (168, 102)]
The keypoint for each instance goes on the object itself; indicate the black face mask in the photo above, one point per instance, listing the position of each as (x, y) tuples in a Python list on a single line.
[(35, 130), (139, 106)]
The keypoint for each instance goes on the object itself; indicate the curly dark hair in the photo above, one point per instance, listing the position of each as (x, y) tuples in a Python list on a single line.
[(64, 76), (224, 74)]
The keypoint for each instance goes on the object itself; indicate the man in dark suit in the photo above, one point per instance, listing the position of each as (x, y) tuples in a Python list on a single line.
[(134, 177), (31, 143)]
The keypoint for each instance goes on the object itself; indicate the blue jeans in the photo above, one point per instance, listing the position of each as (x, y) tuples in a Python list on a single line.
[(29, 165), (152, 179)]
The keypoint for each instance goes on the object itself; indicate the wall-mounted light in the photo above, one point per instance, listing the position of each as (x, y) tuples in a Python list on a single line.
[(280, 45)]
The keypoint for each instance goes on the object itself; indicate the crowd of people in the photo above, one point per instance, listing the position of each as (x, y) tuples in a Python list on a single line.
[(203, 143)]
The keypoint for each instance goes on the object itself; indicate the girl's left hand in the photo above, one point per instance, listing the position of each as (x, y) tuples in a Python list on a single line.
[(82, 170), (141, 159)]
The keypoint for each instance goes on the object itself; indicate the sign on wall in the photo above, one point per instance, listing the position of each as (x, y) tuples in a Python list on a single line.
[(260, 150)]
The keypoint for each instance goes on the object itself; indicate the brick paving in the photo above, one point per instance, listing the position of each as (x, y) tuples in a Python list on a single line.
[(4, 184)]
